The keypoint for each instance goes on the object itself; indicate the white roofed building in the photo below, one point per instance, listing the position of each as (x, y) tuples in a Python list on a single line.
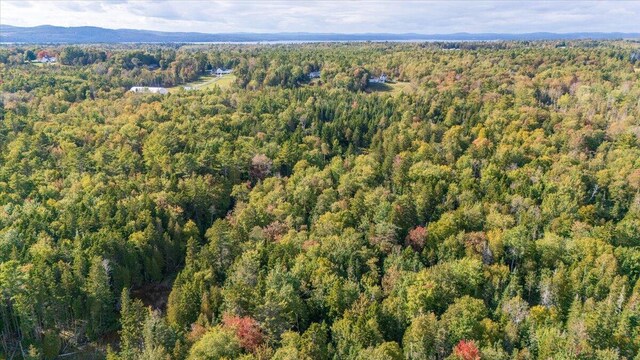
[(48, 59), (149, 90), (381, 79), (221, 72)]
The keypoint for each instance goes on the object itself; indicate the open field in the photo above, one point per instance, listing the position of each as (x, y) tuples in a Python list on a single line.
[(208, 82), (40, 64), (391, 87)]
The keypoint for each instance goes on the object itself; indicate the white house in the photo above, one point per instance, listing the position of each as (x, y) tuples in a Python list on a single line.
[(381, 79), (219, 72), (314, 74), (48, 59), (149, 90)]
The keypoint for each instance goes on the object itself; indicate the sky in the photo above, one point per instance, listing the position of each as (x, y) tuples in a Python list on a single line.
[(425, 17)]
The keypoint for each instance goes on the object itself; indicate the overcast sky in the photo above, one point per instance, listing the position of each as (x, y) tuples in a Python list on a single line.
[(425, 17)]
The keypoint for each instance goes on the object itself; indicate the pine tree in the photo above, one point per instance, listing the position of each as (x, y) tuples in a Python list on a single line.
[(100, 298), (132, 316)]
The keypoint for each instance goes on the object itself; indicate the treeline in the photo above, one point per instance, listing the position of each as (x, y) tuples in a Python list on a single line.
[(490, 213), (153, 66)]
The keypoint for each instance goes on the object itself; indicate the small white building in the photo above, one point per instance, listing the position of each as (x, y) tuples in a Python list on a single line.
[(381, 79), (149, 90), (219, 72), (314, 74), (48, 59)]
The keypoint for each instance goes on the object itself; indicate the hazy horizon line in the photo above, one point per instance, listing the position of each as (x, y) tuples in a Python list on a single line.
[(329, 33)]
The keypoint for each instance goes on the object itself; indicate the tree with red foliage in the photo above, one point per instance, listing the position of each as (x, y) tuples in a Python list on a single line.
[(260, 166), (42, 53), (467, 350), (247, 330), (416, 238)]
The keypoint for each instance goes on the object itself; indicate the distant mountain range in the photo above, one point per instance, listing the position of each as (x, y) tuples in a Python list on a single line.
[(89, 34)]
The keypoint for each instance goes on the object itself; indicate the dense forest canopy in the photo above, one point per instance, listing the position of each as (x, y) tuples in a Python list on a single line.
[(485, 203)]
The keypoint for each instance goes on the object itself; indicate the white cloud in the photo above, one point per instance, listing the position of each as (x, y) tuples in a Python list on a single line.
[(330, 16)]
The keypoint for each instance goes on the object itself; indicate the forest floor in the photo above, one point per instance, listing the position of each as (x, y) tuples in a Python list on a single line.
[(208, 82), (155, 295)]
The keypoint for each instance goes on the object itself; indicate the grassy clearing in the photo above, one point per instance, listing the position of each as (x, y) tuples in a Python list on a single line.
[(208, 82), (223, 82), (393, 88), (41, 64)]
